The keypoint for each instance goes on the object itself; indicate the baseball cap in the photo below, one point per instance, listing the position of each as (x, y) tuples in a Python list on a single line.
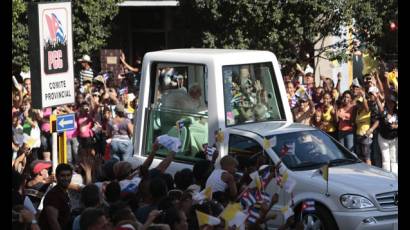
[(38, 166)]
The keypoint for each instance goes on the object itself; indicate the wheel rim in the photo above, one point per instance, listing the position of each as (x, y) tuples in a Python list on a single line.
[(312, 222)]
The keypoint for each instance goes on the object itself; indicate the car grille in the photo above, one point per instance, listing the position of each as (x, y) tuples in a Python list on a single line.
[(388, 200)]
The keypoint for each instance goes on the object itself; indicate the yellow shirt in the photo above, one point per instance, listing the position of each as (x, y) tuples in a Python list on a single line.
[(362, 122), (327, 117)]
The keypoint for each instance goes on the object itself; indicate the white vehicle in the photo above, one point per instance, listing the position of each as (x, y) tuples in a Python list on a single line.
[(192, 93)]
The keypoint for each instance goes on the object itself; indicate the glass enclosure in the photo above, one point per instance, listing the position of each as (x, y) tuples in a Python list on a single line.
[(251, 94), (179, 108)]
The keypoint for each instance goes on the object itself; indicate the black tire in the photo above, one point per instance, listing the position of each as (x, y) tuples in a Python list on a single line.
[(322, 214)]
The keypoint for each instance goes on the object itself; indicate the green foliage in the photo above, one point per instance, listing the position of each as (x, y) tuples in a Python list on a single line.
[(91, 28), (92, 24), (19, 36), (290, 28)]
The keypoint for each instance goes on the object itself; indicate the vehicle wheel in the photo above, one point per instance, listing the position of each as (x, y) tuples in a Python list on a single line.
[(319, 220)]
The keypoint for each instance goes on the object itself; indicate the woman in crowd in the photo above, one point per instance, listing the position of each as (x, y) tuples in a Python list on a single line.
[(304, 111), (120, 131), (362, 122), (344, 119), (329, 115)]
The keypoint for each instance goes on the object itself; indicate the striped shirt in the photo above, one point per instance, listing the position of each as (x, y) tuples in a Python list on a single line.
[(86, 74)]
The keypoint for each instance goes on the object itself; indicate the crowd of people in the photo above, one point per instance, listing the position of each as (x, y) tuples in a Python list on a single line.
[(363, 118), (102, 186)]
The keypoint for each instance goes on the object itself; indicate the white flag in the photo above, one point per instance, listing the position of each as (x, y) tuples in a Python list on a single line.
[(171, 143)]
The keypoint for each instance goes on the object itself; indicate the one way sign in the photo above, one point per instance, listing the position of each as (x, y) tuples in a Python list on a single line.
[(65, 122)]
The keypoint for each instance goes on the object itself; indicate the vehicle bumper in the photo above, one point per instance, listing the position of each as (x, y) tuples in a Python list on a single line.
[(374, 220)]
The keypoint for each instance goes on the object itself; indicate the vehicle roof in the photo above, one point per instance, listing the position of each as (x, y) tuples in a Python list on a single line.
[(272, 127), (210, 54), (207, 51)]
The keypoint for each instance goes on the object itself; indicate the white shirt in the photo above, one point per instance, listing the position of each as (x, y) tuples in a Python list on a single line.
[(216, 182)]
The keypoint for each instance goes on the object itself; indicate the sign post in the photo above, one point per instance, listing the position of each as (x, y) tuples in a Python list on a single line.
[(51, 57), (51, 54)]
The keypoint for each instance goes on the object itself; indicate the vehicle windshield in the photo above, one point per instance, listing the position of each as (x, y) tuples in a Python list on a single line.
[(309, 149), (251, 94)]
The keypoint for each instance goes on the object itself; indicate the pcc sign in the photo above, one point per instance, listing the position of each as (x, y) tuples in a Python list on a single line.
[(51, 54)]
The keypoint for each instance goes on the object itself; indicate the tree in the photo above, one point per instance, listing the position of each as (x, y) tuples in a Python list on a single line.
[(290, 28), (19, 37), (92, 23), (372, 25), (91, 28)]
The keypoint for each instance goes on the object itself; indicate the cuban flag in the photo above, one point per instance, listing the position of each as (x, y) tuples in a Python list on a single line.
[(209, 152), (248, 199), (264, 174), (265, 198), (55, 29), (254, 214), (180, 124), (287, 149), (308, 206)]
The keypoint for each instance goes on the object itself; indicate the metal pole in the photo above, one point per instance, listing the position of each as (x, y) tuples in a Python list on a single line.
[(55, 144)]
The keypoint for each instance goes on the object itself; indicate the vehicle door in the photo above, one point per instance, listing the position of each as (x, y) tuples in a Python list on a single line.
[(246, 148), (178, 107)]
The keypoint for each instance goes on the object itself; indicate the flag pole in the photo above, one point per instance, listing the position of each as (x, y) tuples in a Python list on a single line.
[(327, 181)]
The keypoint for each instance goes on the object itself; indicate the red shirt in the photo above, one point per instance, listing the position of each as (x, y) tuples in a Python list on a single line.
[(84, 126)]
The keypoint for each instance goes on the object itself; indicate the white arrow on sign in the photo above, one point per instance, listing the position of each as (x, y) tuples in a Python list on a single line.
[(62, 123)]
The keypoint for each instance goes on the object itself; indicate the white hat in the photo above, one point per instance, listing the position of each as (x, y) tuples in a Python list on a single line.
[(308, 69), (85, 58), (373, 89), (356, 83), (25, 75)]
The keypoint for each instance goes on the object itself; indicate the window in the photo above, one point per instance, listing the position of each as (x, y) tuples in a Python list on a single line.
[(247, 152), (309, 149), (251, 94), (179, 98)]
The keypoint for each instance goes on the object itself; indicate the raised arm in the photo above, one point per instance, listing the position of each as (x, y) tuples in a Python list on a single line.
[(133, 69), (148, 161), (339, 79), (166, 162)]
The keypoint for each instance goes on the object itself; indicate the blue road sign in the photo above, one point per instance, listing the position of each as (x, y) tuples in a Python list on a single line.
[(65, 122)]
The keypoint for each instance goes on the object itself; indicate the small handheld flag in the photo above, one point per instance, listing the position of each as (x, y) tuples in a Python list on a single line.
[(284, 179), (180, 124), (204, 218), (268, 143), (209, 152), (324, 171), (254, 214), (256, 181), (287, 149), (233, 215), (325, 174), (308, 206), (219, 136)]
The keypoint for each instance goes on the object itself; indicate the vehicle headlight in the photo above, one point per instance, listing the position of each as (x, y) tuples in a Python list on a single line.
[(355, 201)]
